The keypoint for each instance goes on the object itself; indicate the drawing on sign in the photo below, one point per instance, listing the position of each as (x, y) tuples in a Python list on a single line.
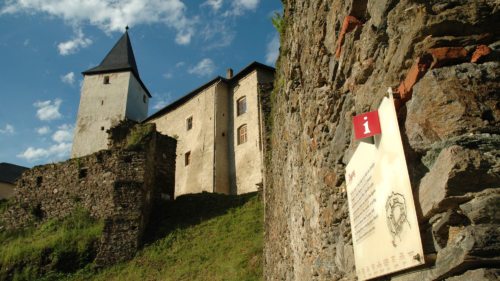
[(396, 216)]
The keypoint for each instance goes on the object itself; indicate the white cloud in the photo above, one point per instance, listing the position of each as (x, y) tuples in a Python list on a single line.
[(239, 7), (180, 64), (168, 75), (110, 15), (55, 152), (162, 101), (72, 46), (68, 78), (214, 4), (217, 34), (63, 134), (8, 130), (43, 130), (48, 110), (273, 49), (204, 68), (26, 42)]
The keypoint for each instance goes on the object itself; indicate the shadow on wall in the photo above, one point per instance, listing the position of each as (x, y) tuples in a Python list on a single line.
[(191, 209)]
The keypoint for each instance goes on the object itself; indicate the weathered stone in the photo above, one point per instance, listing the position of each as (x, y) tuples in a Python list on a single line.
[(454, 173), (317, 93), (484, 208), (441, 228), (463, 101), (481, 274)]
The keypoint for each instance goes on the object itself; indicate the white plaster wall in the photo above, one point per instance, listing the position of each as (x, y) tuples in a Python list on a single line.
[(198, 175), (6, 190), (137, 109), (248, 166), (101, 107)]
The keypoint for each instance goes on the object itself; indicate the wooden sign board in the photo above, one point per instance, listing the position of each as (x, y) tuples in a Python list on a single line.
[(384, 225)]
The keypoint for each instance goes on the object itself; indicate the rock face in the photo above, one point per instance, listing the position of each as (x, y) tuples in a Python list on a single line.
[(337, 59)]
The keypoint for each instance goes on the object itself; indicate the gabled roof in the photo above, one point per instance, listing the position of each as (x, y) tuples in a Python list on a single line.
[(245, 71), (120, 58), (9, 173)]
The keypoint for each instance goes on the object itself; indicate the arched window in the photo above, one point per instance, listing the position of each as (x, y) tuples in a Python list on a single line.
[(242, 134), (241, 106)]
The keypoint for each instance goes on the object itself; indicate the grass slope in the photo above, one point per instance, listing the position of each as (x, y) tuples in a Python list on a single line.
[(54, 248), (202, 237)]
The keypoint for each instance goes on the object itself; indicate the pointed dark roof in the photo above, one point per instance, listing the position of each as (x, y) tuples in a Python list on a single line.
[(9, 173), (120, 58)]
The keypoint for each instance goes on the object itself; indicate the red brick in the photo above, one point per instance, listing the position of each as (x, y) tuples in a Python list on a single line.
[(348, 25), (416, 71), (447, 55), (480, 52)]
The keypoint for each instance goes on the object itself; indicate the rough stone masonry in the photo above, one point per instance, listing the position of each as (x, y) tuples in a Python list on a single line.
[(121, 185), (338, 58)]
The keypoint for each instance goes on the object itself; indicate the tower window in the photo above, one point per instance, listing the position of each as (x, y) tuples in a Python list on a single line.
[(189, 123), (187, 158), (241, 106), (242, 134), (144, 98), (106, 79)]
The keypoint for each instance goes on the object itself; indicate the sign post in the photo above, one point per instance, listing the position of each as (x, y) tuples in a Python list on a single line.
[(384, 225)]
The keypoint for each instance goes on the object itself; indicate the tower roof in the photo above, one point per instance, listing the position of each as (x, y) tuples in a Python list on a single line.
[(120, 58)]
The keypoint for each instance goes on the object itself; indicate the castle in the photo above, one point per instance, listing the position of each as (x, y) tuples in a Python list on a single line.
[(218, 126)]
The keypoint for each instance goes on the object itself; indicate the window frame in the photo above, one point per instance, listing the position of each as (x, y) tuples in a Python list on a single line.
[(242, 134), (241, 106)]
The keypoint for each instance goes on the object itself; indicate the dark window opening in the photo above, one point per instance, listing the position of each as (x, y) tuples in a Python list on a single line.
[(187, 158), (241, 106), (102, 102), (106, 80), (144, 98), (82, 173), (102, 128), (189, 123), (39, 181), (37, 212)]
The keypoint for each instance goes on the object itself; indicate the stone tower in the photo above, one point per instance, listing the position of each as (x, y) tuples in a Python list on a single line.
[(111, 92)]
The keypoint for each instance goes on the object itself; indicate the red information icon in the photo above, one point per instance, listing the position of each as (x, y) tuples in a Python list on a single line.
[(366, 125)]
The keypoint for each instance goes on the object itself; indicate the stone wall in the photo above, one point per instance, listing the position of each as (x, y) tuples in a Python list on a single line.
[(121, 185), (337, 59)]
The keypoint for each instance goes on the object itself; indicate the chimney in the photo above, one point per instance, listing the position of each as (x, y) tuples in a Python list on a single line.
[(229, 73)]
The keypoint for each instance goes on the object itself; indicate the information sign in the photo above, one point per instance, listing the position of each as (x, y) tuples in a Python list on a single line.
[(384, 224)]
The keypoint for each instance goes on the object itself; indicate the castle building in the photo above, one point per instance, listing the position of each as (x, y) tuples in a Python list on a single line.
[(111, 92), (218, 126)]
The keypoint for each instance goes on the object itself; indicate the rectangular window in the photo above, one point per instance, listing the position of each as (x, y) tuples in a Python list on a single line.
[(106, 80), (242, 134), (187, 158), (241, 106), (189, 123)]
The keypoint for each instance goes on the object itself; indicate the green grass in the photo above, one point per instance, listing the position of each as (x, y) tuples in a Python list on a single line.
[(225, 246), (53, 249), (137, 134)]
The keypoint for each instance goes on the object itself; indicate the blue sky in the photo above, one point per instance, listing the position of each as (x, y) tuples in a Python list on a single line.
[(178, 45)]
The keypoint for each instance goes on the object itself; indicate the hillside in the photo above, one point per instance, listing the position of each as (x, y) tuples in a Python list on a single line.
[(198, 237)]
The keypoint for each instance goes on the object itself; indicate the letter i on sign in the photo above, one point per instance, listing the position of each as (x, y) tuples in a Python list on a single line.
[(366, 125)]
